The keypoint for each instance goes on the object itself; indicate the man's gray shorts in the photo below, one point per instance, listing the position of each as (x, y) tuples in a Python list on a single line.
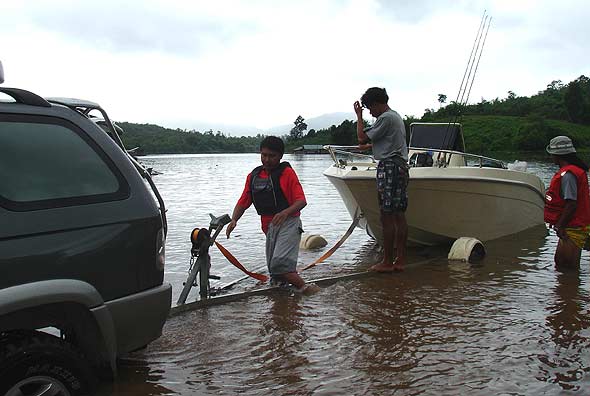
[(282, 246)]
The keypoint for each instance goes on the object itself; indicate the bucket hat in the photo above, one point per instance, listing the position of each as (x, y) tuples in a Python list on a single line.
[(560, 145)]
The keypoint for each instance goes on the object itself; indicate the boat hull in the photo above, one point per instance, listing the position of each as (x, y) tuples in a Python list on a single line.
[(447, 203)]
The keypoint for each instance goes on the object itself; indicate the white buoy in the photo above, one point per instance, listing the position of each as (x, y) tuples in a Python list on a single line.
[(467, 249), (312, 241)]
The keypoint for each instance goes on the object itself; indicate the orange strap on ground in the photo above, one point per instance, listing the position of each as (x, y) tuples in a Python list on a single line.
[(230, 257), (338, 244)]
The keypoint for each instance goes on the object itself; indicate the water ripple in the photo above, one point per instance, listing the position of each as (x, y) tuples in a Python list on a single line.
[(509, 325)]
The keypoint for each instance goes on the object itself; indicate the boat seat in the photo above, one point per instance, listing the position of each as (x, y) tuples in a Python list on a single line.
[(489, 164), (420, 160)]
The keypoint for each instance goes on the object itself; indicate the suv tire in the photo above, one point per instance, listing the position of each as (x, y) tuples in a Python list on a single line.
[(31, 362)]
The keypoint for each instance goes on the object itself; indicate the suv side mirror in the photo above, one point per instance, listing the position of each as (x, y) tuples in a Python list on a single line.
[(1, 73)]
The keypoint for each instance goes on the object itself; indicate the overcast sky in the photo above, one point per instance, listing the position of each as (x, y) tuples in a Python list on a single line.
[(261, 63)]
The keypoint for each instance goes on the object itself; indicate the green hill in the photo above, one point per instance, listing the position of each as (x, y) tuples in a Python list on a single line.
[(485, 134), (154, 139), (516, 123)]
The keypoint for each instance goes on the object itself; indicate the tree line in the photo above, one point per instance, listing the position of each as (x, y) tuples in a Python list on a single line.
[(559, 109), (154, 139), (567, 102), (514, 123)]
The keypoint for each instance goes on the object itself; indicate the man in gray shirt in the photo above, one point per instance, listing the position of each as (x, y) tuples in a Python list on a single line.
[(388, 136)]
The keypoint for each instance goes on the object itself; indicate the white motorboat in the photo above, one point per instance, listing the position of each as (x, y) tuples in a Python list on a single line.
[(451, 193)]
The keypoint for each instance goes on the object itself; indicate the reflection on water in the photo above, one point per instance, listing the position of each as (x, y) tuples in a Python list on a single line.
[(510, 324), (566, 360)]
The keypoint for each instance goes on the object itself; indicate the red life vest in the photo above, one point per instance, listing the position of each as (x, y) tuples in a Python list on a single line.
[(554, 203)]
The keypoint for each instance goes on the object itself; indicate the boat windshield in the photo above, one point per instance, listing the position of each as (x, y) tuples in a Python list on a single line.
[(437, 136), (350, 155)]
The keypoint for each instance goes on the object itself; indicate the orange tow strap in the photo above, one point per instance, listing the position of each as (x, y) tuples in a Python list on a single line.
[(230, 257), (354, 223)]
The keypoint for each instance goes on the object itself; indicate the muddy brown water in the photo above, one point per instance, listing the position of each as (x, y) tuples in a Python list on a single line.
[(509, 325)]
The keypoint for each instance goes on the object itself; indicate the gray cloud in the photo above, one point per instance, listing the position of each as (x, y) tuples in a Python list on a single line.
[(414, 11), (127, 27), (561, 31)]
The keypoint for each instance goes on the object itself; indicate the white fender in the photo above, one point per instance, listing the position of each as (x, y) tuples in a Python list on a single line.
[(467, 249), (312, 241)]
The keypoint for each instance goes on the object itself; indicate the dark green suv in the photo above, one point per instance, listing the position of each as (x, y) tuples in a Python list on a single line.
[(82, 235)]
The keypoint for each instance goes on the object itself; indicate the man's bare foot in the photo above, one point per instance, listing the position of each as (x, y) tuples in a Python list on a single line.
[(398, 266), (308, 289), (382, 267)]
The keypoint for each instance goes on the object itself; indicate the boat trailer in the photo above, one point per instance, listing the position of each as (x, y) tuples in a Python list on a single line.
[(200, 262), (464, 249)]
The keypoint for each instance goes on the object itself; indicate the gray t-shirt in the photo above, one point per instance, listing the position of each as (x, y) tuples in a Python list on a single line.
[(388, 135), (569, 186)]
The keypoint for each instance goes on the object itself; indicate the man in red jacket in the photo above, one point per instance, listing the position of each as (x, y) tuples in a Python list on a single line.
[(278, 197), (567, 203)]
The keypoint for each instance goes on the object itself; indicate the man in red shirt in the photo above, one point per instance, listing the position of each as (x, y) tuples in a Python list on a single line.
[(278, 197), (567, 203)]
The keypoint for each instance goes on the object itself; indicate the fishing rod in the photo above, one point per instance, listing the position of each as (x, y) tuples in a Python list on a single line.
[(470, 72), (479, 57), (467, 79), (469, 60), (470, 78), (467, 69)]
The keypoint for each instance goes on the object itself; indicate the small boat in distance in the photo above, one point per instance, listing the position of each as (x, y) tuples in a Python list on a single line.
[(451, 193)]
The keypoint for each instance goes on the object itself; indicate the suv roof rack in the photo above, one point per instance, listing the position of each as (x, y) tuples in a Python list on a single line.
[(25, 97), (84, 107), (71, 102)]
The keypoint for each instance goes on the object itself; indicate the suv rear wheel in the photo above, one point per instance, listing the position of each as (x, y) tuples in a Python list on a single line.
[(35, 363)]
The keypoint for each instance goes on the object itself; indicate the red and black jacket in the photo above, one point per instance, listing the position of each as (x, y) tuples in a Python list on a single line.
[(554, 203), (267, 195)]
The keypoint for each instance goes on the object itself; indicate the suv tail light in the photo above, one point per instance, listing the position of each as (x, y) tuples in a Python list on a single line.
[(160, 250)]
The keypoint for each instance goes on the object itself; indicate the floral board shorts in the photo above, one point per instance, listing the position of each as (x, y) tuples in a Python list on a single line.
[(392, 184)]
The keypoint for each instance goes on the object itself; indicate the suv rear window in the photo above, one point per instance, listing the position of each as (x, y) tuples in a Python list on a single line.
[(47, 162)]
